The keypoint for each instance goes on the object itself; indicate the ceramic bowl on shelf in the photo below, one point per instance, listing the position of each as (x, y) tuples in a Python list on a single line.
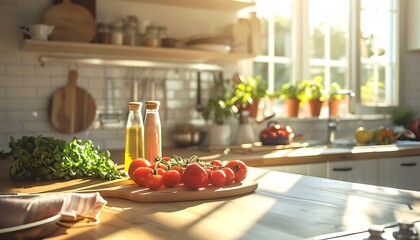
[(214, 44)]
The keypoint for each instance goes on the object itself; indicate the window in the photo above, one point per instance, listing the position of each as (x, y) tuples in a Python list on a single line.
[(355, 45)]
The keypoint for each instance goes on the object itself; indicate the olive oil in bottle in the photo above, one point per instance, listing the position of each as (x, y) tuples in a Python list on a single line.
[(134, 140)]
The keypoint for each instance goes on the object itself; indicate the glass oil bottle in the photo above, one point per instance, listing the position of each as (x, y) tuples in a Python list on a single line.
[(134, 140)]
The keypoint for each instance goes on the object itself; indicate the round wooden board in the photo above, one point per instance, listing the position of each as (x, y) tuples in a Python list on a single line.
[(130, 191), (71, 108), (73, 22)]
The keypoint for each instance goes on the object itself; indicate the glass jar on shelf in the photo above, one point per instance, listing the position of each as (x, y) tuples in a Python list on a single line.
[(130, 32), (102, 33), (152, 37), (117, 35)]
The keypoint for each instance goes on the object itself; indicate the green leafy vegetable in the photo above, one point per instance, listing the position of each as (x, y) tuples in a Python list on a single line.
[(44, 158)]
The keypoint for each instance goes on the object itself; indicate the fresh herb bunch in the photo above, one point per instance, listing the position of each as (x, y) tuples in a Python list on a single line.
[(44, 158)]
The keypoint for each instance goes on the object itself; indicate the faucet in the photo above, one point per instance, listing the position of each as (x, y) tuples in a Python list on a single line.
[(332, 121)]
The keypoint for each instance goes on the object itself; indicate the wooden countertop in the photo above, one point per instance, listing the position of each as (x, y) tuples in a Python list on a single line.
[(289, 155), (285, 206)]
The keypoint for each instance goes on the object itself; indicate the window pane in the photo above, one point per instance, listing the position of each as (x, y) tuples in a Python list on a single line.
[(378, 26), (282, 36), (281, 75), (329, 34), (261, 69), (264, 35)]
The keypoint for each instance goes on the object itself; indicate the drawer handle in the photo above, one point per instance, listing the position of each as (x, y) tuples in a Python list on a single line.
[(408, 164), (345, 169)]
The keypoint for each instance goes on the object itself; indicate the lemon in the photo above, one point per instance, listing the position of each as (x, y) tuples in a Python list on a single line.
[(363, 136)]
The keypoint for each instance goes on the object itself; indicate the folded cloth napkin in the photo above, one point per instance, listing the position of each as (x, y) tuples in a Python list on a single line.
[(23, 209)]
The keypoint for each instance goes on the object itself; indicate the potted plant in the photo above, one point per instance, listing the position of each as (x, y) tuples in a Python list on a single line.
[(314, 96), (335, 99), (292, 93), (217, 110), (246, 97)]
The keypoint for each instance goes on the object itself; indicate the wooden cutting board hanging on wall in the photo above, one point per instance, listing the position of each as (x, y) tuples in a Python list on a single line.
[(73, 22), (71, 108)]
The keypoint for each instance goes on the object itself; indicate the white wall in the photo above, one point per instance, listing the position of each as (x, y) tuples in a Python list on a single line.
[(26, 86)]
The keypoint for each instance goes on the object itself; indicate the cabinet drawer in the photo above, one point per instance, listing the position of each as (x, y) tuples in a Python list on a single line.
[(401, 172), (360, 171)]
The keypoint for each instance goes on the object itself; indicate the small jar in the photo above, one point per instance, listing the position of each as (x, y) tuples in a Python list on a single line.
[(130, 32), (102, 33), (152, 37), (117, 35)]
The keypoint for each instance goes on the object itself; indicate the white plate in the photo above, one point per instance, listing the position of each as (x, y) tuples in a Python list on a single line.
[(211, 47), (33, 230)]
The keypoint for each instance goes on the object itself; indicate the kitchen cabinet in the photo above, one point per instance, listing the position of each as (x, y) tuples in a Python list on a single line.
[(413, 25), (313, 169), (403, 172), (360, 171)]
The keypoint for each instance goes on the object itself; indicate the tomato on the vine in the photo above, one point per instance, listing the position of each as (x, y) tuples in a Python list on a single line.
[(239, 168), (171, 178), (160, 165), (230, 175), (154, 181), (208, 171), (216, 163), (166, 158), (140, 175), (136, 163), (194, 176), (218, 178)]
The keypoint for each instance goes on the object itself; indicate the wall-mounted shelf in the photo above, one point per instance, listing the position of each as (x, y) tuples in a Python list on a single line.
[(176, 55), (222, 5)]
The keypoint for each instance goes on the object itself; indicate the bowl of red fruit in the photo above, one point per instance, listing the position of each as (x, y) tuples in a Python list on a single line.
[(276, 134)]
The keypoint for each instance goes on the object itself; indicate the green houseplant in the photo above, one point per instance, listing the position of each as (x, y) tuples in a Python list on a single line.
[(247, 95), (218, 109), (292, 93), (335, 99), (314, 95)]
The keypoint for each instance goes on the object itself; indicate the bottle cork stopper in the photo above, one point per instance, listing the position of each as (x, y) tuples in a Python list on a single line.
[(152, 104)]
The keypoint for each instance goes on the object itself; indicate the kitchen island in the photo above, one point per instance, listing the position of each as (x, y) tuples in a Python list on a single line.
[(284, 206)]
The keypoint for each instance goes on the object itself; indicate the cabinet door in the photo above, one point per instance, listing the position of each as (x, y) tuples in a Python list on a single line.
[(358, 171), (403, 172), (313, 169), (413, 26)]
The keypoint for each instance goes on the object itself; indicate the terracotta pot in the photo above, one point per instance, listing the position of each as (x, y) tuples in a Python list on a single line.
[(335, 106), (292, 107), (315, 106)]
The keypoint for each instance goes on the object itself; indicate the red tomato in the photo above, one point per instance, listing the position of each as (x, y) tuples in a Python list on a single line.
[(239, 168), (166, 158), (154, 181), (179, 169), (171, 178), (140, 175), (136, 163), (230, 175), (161, 171), (216, 163), (218, 178), (161, 165), (208, 171), (194, 176)]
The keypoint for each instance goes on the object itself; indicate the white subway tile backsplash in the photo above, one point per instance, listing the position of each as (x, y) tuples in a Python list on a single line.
[(36, 81), (8, 104), (20, 70), (10, 58), (90, 71), (39, 126), (35, 104), (11, 81), (2, 93), (21, 93), (50, 71), (11, 127)]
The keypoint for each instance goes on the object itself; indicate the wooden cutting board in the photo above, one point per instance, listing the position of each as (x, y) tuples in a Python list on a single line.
[(71, 108), (130, 191), (73, 22)]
